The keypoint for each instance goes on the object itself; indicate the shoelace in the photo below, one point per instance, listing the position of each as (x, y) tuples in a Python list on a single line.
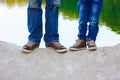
[(91, 42), (30, 44), (77, 42)]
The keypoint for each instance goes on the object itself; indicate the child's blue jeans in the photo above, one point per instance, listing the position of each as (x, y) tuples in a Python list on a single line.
[(89, 13)]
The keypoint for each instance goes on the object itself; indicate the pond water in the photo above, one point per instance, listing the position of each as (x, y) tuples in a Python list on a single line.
[(13, 28)]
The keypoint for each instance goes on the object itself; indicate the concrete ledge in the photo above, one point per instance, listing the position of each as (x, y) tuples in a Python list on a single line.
[(45, 64)]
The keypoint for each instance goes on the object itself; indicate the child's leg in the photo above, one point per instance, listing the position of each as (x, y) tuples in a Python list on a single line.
[(83, 9), (95, 10)]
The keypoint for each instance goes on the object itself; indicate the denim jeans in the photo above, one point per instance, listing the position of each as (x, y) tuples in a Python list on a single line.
[(35, 23), (89, 12)]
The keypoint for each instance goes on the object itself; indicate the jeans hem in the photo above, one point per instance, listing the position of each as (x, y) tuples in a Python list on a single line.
[(34, 42), (51, 42)]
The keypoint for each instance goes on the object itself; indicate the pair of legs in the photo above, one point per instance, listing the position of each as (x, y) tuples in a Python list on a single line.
[(89, 13), (35, 23)]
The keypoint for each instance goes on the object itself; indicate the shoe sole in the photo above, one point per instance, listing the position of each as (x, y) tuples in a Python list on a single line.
[(61, 51), (58, 51), (27, 51), (92, 48), (77, 49)]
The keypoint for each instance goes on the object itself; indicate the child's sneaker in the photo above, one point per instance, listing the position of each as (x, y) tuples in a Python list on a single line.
[(78, 45), (91, 45)]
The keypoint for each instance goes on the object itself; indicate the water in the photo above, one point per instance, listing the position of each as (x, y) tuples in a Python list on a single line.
[(13, 28)]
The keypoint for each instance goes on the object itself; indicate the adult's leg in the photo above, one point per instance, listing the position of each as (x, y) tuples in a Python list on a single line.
[(35, 20), (51, 25)]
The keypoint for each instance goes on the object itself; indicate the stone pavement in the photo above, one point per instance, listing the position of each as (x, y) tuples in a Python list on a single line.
[(45, 64)]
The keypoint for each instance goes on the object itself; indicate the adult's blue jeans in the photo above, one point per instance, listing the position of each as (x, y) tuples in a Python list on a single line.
[(35, 23), (89, 13)]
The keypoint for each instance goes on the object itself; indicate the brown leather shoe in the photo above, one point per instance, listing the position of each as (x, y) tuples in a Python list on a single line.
[(78, 45), (29, 47), (57, 47)]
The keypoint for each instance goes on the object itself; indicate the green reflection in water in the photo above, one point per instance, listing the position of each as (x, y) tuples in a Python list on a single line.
[(110, 13), (69, 9), (12, 3)]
